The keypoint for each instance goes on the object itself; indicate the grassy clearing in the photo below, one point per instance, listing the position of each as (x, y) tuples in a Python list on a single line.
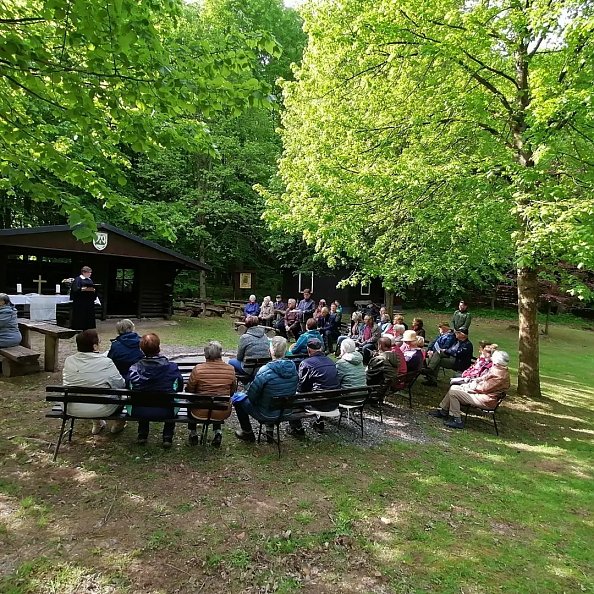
[(459, 512)]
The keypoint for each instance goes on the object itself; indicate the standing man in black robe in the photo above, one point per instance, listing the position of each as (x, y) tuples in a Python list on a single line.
[(82, 293)]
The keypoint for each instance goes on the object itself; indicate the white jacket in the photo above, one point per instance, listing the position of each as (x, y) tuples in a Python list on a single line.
[(91, 370)]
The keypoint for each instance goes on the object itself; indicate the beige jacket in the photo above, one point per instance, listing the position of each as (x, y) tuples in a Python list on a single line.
[(495, 381)]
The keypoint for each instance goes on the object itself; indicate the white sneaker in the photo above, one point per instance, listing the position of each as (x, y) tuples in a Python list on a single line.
[(98, 426)]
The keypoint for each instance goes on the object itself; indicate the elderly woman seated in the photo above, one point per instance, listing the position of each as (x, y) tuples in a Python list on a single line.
[(91, 369), (251, 308), (212, 377), (125, 348), (482, 392), (266, 314), (9, 329)]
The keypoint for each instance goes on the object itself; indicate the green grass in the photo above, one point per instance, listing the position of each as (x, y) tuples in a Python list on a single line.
[(460, 512)]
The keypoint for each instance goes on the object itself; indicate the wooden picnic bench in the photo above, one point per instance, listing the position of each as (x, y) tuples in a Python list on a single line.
[(19, 360), (62, 396), (52, 333)]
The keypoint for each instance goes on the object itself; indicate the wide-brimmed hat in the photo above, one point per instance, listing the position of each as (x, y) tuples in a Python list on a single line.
[(409, 336)]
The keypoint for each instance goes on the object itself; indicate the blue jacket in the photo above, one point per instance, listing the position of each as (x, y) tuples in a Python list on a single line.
[(125, 351), (462, 351), (318, 372), (156, 374), (300, 347), (445, 341), (277, 378), (9, 329), (251, 309)]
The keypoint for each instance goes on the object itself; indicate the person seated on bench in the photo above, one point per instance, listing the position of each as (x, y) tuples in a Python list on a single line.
[(399, 319), (481, 392), (387, 367), (444, 340), (251, 308), (350, 368), (125, 349), (367, 341), (396, 332), (385, 323), (311, 332), (356, 329), (212, 377), (421, 346), (318, 311), (10, 335), (411, 351), (154, 373), (328, 327), (336, 302), (417, 326), (266, 312), (457, 357), (290, 322), (306, 307), (316, 373), (88, 368), (274, 380), (252, 345), (279, 307), (481, 365)]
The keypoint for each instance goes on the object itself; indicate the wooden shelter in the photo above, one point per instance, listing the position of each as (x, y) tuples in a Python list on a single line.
[(135, 276)]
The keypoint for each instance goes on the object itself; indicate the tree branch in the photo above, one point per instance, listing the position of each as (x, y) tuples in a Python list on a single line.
[(31, 92), (488, 85)]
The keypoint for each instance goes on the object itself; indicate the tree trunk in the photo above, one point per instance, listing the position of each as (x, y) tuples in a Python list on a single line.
[(389, 302), (202, 274), (528, 369)]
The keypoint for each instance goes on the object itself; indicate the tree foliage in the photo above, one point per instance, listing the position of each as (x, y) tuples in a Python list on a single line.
[(444, 141), (86, 86)]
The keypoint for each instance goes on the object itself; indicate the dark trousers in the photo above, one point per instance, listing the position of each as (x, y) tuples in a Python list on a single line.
[(367, 352), (168, 430), (244, 410), (295, 329)]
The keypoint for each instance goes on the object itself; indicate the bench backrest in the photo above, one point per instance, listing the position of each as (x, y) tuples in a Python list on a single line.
[(69, 394), (321, 396)]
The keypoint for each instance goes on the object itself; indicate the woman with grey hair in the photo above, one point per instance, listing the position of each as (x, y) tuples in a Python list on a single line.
[(211, 377), (125, 348), (10, 335), (483, 392)]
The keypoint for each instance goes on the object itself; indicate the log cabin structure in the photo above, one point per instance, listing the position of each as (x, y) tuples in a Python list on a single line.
[(135, 277)]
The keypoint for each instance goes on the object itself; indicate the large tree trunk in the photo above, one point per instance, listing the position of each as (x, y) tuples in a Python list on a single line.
[(528, 369)]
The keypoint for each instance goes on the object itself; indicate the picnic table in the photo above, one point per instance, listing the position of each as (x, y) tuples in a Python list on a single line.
[(52, 333)]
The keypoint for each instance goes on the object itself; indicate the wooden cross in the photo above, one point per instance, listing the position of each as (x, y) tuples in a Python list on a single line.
[(39, 282)]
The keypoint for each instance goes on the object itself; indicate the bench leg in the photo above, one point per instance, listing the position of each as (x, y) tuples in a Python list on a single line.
[(26, 336), (204, 434), (495, 423), (361, 413), (51, 353), (13, 368), (278, 439), (71, 429), (59, 439)]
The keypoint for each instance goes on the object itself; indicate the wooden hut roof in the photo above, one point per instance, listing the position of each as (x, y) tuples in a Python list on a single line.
[(59, 238)]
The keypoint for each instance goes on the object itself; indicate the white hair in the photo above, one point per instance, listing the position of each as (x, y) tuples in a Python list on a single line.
[(347, 346), (252, 297), (500, 358), (124, 326), (278, 347), (213, 350)]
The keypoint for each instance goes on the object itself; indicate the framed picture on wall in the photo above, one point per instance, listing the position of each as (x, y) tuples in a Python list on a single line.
[(245, 280)]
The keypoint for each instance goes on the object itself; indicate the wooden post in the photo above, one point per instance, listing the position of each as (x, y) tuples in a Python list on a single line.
[(389, 301), (51, 353), (26, 334)]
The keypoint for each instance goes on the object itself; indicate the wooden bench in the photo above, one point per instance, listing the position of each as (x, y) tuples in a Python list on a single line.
[(62, 396), (304, 404), (52, 333), (486, 411), (19, 360)]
